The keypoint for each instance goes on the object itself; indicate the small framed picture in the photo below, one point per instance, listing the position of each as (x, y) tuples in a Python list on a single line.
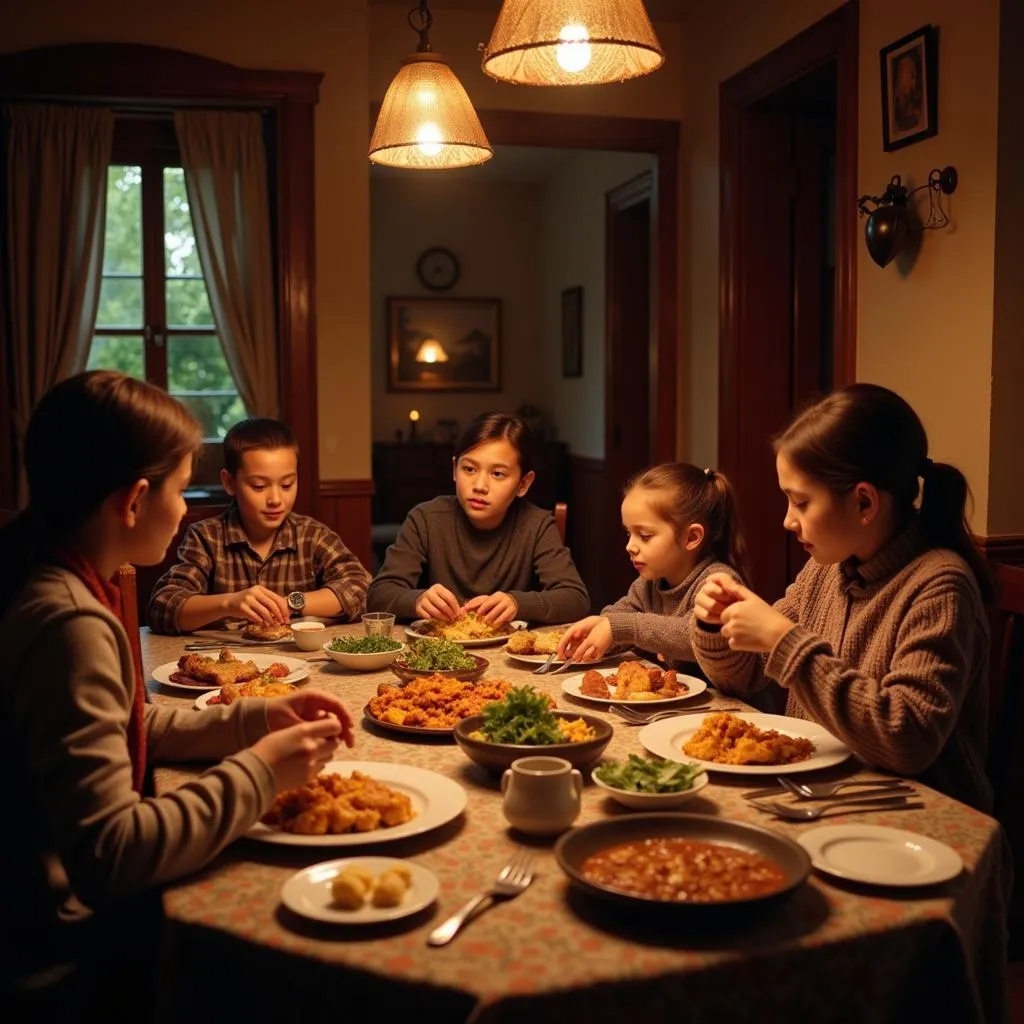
[(910, 88), (572, 332), (444, 344)]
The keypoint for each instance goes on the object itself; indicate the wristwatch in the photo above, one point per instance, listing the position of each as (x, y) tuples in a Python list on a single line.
[(296, 601)]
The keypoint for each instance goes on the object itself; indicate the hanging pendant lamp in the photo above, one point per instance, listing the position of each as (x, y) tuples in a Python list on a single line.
[(426, 121), (572, 42)]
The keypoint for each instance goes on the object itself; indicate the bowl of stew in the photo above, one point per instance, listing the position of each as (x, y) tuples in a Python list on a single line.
[(678, 861)]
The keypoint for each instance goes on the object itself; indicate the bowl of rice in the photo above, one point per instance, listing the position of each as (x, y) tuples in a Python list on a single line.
[(438, 657), (363, 653)]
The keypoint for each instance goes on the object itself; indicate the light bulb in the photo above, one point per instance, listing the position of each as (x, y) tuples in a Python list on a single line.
[(428, 139), (573, 53), (414, 415)]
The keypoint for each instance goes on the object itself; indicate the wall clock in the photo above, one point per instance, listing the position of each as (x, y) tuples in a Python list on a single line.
[(437, 269)]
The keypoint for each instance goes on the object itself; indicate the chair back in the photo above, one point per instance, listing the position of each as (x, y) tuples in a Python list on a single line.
[(561, 514), (126, 583), (1006, 682)]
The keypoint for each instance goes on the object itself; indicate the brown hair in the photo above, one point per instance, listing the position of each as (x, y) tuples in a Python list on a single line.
[(89, 436), (683, 494), (867, 433), (499, 426), (259, 433)]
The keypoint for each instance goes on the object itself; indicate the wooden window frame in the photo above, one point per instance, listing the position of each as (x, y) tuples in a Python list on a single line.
[(129, 77)]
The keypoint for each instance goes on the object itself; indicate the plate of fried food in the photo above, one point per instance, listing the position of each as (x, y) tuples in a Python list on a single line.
[(199, 672), (432, 705), (468, 629), (753, 744), (260, 633), (263, 686), (633, 681), (360, 890), (354, 803), (535, 646)]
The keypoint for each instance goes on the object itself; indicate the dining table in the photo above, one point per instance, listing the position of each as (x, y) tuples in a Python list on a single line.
[(830, 950)]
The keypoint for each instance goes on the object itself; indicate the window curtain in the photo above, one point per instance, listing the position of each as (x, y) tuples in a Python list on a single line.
[(57, 160), (225, 165)]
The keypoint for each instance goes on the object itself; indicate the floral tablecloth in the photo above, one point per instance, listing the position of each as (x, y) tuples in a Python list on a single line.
[(830, 952)]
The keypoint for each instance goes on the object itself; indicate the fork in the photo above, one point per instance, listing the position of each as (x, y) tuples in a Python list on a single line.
[(635, 717), (513, 878), (546, 667), (853, 806), (820, 790)]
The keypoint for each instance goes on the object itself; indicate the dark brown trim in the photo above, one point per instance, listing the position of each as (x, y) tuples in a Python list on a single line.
[(586, 463), (834, 38), (346, 489), (131, 77), (630, 135), (1002, 549)]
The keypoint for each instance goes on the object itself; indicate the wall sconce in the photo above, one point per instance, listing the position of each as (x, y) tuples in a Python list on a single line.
[(889, 222)]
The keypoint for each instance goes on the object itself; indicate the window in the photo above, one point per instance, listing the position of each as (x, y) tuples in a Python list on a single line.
[(154, 319)]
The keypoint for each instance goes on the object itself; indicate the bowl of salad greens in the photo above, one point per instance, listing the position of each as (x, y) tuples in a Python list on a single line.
[(438, 657), (363, 653), (524, 723), (650, 783)]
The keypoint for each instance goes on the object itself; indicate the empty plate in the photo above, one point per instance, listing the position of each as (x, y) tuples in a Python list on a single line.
[(879, 855)]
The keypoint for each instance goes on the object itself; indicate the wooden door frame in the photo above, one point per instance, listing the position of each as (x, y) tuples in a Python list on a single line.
[(125, 76), (660, 138), (834, 38)]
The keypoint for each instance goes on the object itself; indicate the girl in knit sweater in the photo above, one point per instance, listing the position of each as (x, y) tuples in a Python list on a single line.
[(882, 637), (107, 459), (681, 527)]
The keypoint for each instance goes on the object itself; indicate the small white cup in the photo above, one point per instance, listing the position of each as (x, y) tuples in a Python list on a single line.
[(308, 634), (378, 623), (541, 795)]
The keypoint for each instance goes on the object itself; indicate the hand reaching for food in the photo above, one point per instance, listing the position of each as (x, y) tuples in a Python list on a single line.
[(297, 753), (586, 640), (495, 609), (438, 602), (257, 604), (309, 706), (717, 593)]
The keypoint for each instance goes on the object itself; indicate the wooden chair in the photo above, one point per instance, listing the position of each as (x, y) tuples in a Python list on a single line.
[(561, 513), (126, 583)]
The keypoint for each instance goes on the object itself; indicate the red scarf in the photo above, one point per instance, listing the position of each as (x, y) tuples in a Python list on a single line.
[(109, 595)]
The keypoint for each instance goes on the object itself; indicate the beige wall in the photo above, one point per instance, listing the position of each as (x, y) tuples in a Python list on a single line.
[(573, 253), (926, 332), (304, 35), (492, 227)]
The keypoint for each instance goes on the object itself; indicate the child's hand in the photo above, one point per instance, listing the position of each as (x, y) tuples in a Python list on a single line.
[(438, 603), (297, 753), (308, 706), (495, 609), (586, 640), (751, 624), (717, 593), (259, 605)]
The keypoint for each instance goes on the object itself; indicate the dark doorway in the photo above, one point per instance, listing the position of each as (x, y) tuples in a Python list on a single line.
[(631, 359), (788, 257)]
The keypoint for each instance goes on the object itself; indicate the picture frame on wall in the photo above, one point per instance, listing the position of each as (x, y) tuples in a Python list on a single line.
[(449, 344), (572, 332), (910, 88)]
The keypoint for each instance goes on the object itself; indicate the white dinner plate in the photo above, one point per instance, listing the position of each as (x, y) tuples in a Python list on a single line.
[(436, 800), (880, 855), (666, 739), (413, 632), (308, 892), (298, 669), (571, 685)]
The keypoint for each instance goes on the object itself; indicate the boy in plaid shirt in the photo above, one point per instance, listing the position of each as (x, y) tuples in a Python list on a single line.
[(258, 560)]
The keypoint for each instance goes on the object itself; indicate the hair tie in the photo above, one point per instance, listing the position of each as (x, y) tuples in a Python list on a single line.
[(925, 466), (709, 472)]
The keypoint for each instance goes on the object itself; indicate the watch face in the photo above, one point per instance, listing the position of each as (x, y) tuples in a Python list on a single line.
[(438, 269), (296, 601)]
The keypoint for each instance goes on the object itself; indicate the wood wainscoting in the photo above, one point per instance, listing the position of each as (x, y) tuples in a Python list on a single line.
[(346, 506)]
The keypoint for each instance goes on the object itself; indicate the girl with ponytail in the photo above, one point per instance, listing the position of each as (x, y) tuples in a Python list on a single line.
[(681, 527), (882, 637)]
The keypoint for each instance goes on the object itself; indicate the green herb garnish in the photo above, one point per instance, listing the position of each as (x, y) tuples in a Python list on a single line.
[(640, 775), (523, 717), (364, 644), (437, 655)]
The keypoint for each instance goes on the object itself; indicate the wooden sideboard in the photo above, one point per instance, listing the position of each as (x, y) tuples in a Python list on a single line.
[(407, 473)]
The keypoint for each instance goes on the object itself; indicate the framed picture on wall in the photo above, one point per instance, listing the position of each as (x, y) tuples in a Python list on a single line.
[(444, 344), (910, 88), (572, 332)]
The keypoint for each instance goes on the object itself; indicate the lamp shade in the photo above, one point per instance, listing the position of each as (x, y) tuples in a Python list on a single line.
[(426, 120), (885, 233), (431, 351), (572, 42)]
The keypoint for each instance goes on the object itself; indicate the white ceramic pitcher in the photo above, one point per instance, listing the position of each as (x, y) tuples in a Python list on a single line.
[(541, 795)]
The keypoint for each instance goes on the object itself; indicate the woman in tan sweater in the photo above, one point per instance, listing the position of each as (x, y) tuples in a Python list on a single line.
[(882, 637), (107, 460)]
